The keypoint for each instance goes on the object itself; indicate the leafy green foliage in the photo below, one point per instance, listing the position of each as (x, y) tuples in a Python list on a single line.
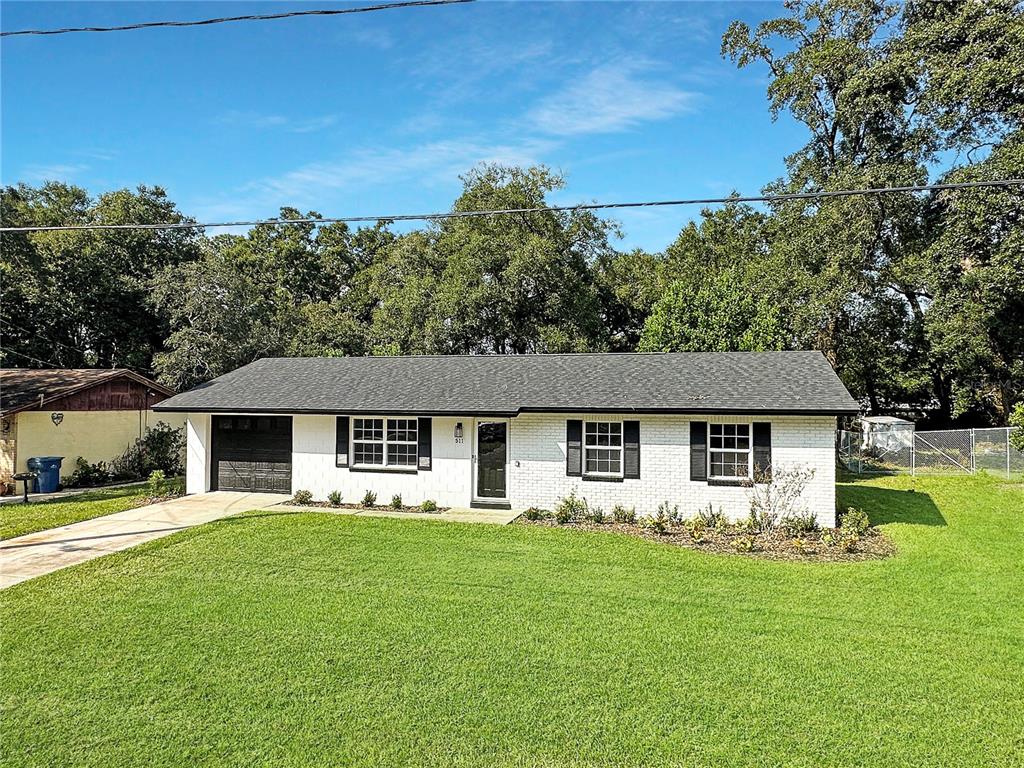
[(1017, 420), (429, 505), (621, 514), (302, 497), (157, 483), (369, 499), (334, 498), (161, 447), (86, 475), (536, 513), (570, 509), (396, 501)]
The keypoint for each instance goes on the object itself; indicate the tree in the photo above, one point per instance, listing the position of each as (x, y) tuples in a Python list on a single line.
[(716, 314), (884, 90), (81, 298), (518, 283)]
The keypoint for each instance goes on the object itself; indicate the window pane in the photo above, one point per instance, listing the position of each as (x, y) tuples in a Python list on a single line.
[(729, 464), (401, 455), (403, 430), (368, 453), (368, 429)]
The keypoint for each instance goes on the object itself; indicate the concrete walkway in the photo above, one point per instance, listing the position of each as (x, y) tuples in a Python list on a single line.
[(35, 554)]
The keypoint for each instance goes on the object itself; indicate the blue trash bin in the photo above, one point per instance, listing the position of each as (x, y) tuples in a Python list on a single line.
[(48, 471)]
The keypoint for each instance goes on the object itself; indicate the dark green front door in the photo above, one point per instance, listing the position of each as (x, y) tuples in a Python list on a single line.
[(491, 452)]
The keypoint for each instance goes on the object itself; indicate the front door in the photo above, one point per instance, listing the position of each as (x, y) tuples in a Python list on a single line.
[(491, 456)]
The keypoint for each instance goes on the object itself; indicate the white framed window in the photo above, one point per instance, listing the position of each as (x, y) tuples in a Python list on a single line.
[(602, 448), (378, 441), (729, 451)]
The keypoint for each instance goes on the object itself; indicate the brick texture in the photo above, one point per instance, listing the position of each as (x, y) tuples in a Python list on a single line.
[(536, 468)]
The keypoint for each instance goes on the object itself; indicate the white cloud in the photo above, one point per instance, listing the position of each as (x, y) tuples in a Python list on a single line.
[(610, 98), (427, 164), (261, 121), (37, 174)]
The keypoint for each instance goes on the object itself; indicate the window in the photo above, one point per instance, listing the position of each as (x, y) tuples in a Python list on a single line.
[(729, 450), (602, 443), (380, 442)]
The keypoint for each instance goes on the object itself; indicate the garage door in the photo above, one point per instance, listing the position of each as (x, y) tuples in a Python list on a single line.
[(252, 453)]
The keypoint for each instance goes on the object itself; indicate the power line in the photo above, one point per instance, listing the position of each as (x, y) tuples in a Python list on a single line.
[(28, 357), (539, 209), (225, 19), (40, 336)]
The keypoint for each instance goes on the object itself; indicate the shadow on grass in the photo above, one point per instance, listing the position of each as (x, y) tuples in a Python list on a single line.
[(885, 505)]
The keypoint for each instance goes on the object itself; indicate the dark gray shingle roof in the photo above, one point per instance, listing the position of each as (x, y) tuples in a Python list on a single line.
[(683, 382)]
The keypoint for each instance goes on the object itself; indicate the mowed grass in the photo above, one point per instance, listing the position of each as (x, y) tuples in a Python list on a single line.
[(17, 519), (316, 639)]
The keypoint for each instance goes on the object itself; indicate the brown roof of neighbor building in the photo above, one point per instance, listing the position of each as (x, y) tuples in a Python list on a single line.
[(30, 388)]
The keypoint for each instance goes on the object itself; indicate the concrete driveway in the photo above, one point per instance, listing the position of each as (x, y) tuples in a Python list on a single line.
[(35, 554)]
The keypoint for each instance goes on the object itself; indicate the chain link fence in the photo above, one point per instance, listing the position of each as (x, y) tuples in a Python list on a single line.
[(944, 451)]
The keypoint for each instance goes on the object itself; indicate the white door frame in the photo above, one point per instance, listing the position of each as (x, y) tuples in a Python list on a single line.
[(476, 464)]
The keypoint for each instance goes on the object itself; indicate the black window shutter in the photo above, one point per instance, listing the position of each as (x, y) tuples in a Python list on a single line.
[(698, 450), (424, 432), (763, 451), (574, 447), (341, 442), (631, 449)]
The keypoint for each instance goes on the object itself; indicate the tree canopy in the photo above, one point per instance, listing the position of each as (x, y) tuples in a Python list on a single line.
[(917, 299)]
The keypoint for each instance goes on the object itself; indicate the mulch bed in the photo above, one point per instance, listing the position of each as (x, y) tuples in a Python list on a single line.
[(362, 508), (777, 545)]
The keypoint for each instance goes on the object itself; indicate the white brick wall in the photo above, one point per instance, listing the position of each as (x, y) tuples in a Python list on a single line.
[(536, 472), (538, 444)]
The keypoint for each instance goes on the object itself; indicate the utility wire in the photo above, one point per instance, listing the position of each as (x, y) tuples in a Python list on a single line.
[(225, 19), (539, 209), (28, 357), (40, 336)]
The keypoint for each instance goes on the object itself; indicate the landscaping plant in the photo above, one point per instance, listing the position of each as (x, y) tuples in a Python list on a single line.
[(570, 509), (334, 498), (429, 505), (781, 496), (369, 499), (302, 497)]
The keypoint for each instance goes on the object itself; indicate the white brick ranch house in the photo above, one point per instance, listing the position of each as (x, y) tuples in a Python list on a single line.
[(689, 428)]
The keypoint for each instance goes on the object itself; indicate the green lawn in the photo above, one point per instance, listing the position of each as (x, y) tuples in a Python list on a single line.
[(313, 639), (17, 519)]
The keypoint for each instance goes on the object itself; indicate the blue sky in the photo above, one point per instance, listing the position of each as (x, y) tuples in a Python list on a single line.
[(379, 113)]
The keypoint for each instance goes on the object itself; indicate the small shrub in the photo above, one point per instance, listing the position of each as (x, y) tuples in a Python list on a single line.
[(712, 518), (800, 523), (670, 513), (803, 546), (369, 499), (622, 515), (302, 497), (697, 527), (334, 497), (428, 506), (597, 515), (570, 508), (855, 520), (157, 483), (657, 522), (535, 513), (743, 543), (88, 475), (779, 498), (848, 541), (396, 501)]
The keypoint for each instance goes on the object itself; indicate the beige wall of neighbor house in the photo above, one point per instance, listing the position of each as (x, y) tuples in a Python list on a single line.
[(93, 435), (8, 432)]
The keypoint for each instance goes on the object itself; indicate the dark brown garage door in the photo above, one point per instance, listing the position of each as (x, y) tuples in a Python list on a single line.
[(252, 453)]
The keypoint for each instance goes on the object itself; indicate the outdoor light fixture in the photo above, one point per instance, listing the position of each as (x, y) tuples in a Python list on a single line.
[(458, 430)]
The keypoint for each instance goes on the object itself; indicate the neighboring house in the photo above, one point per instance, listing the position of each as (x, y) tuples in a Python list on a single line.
[(520, 431), (72, 412)]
